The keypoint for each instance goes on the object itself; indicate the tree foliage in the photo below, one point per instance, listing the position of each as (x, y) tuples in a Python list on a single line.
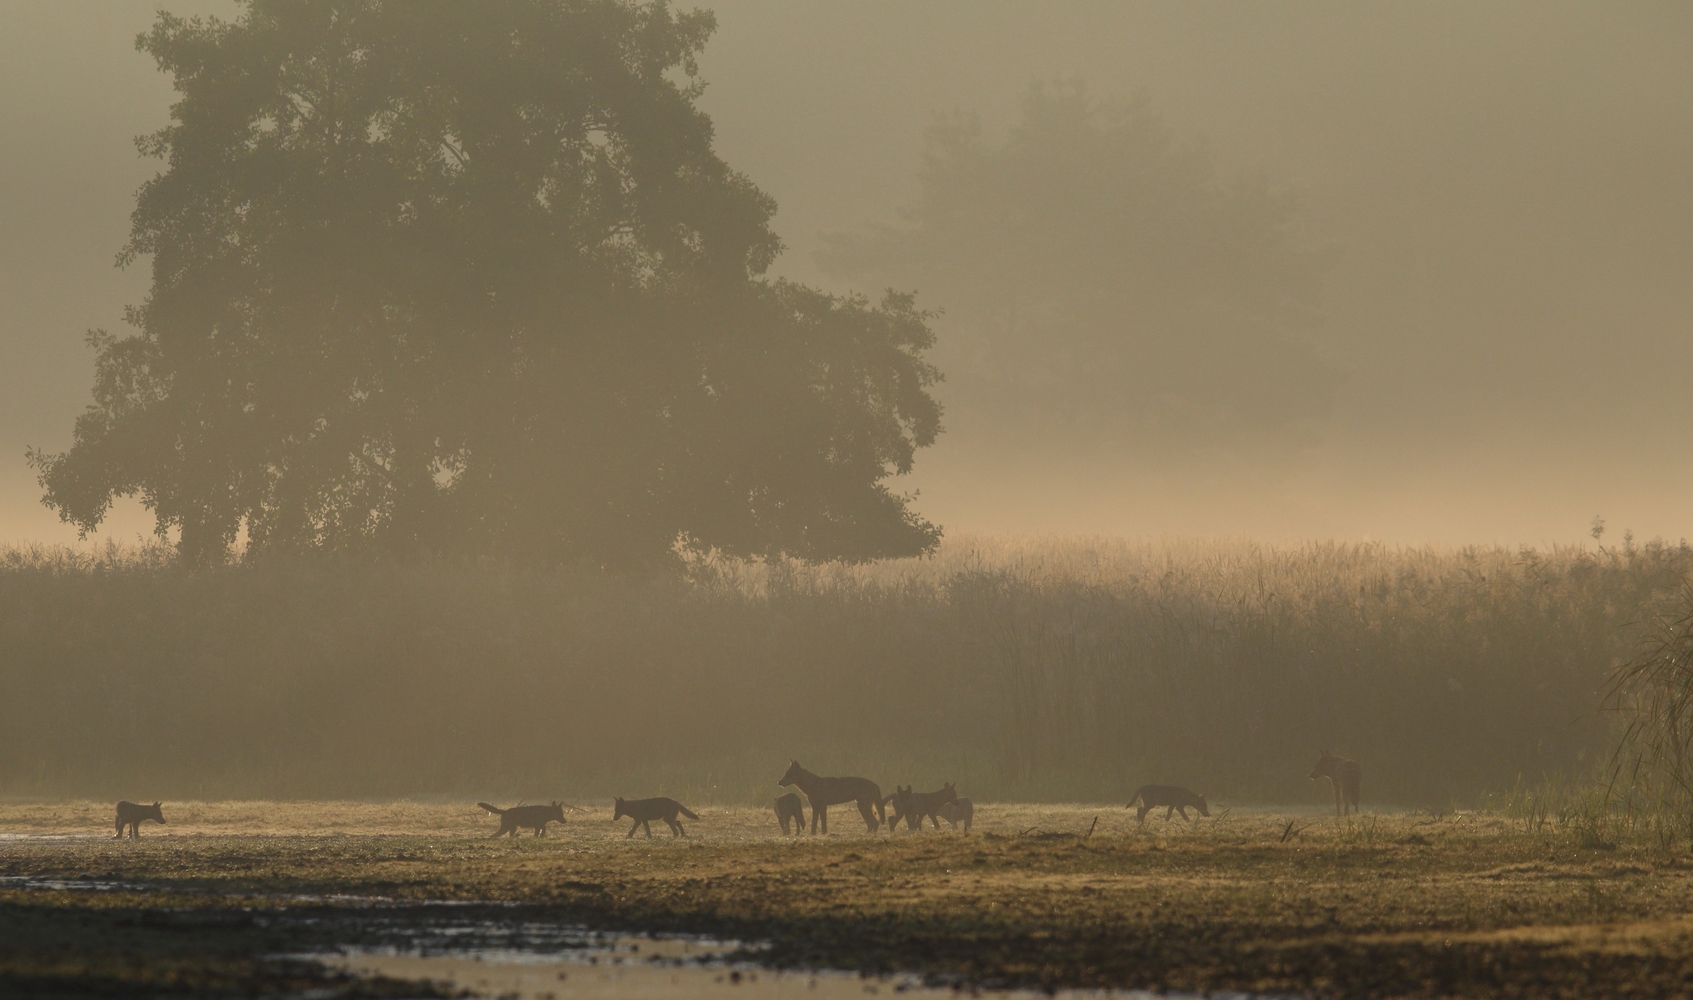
[(1103, 285), (435, 275)]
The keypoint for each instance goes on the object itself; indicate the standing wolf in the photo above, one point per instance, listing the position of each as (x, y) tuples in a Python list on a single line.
[(644, 811), (1345, 775), (524, 817), (826, 792), (131, 815), (788, 808), (958, 811)]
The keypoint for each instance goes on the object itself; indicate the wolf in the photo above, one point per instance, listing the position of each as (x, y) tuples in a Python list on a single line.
[(958, 811), (1344, 775), (900, 801), (644, 811), (511, 820), (825, 792), (788, 807), (131, 815), (913, 806), (1174, 797)]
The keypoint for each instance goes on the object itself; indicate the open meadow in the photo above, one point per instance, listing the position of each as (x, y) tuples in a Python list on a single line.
[(1522, 903), (319, 733)]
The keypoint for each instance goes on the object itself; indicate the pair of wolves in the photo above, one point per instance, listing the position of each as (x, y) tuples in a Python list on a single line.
[(824, 792), (914, 806), (642, 811)]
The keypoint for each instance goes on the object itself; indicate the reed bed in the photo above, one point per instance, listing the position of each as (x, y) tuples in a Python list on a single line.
[(1025, 669)]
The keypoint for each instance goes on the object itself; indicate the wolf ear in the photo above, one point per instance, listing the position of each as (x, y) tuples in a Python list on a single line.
[(157, 804)]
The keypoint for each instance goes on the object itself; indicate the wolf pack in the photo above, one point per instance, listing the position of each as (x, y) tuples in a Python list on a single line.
[(906, 803)]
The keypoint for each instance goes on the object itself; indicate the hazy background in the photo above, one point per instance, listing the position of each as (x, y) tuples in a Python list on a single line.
[(1508, 186)]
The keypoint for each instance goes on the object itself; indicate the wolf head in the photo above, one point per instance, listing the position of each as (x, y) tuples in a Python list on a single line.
[(1204, 810), (793, 773), (618, 813), (558, 812), (949, 793), (1325, 766), (152, 812)]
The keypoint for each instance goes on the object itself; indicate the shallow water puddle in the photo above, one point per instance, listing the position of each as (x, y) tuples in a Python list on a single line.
[(649, 968)]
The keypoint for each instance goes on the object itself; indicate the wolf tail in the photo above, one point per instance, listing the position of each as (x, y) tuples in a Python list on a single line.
[(684, 810), (496, 810)]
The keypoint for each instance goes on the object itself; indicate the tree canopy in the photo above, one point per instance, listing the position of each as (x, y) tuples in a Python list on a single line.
[(438, 276), (1104, 288)]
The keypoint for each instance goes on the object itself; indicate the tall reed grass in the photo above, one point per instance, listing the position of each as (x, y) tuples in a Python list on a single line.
[(1036, 669)]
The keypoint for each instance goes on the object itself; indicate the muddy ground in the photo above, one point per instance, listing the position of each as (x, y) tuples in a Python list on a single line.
[(1264, 901)]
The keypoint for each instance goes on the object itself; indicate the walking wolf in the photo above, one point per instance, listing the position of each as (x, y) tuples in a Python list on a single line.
[(524, 817), (1344, 775), (644, 811), (788, 808), (131, 815), (825, 792), (1174, 797)]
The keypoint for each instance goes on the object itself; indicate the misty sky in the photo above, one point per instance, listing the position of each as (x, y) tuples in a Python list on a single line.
[(1508, 186)]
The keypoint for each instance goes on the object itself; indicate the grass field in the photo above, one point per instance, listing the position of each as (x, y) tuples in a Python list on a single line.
[(1401, 904)]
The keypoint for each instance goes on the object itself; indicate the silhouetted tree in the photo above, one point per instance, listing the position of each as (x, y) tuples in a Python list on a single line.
[(1102, 286), (431, 275)]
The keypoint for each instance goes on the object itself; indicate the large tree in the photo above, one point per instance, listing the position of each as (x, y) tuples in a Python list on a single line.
[(1106, 290), (432, 275)]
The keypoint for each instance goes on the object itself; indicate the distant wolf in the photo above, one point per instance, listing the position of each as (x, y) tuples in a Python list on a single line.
[(1344, 775), (131, 815), (788, 807), (958, 811), (1174, 797), (825, 792), (644, 811), (914, 806), (524, 817)]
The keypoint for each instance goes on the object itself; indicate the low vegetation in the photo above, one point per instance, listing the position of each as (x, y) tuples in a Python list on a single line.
[(1023, 670)]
